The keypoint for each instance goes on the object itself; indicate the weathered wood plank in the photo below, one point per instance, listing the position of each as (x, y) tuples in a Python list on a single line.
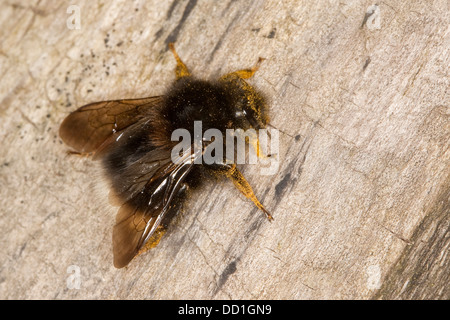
[(360, 200)]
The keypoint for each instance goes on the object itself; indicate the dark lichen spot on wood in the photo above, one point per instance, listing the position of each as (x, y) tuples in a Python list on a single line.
[(171, 8), (187, 10), (226, 273), (422, 271), (159, 33), (272, 33), (254, 226), (366, 63), (281, 186)]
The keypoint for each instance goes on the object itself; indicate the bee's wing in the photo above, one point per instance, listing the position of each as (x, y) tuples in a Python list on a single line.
[(87, 128), (139, 217)]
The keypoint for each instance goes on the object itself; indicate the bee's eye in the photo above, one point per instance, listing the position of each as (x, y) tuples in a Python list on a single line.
[(240, 114)]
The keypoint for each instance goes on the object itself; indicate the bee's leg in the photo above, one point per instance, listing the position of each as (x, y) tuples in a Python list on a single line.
[(254, 142), (245, 73), (78, 154), (154, 239), (244, 187), (180, 70)]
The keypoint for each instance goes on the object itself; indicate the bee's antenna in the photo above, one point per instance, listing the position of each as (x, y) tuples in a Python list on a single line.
[(270, 125)]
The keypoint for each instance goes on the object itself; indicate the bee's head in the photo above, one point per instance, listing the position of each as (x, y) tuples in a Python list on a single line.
[(250, 107)]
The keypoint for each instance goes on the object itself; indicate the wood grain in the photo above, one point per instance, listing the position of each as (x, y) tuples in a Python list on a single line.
[(361, 197)]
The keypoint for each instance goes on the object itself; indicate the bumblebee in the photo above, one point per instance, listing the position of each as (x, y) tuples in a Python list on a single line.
[(132, 138)]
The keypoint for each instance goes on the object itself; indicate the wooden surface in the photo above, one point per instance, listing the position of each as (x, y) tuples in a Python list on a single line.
[(361, 197)]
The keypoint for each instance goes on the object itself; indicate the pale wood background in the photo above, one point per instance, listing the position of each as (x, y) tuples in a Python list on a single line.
[(361, 198)]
